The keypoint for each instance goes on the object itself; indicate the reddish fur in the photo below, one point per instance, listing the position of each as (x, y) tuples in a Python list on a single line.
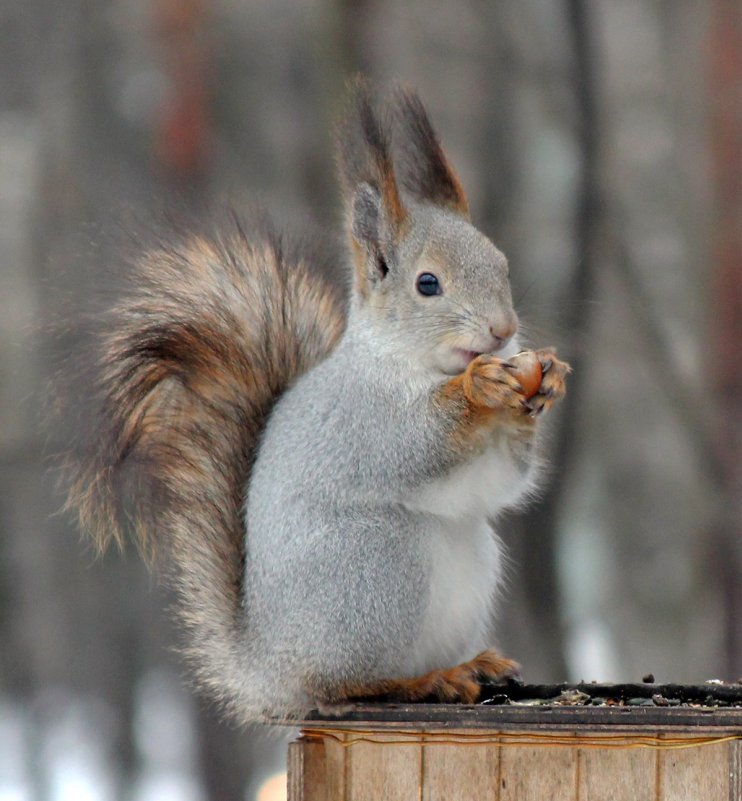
[(392, 201), (364, 157), (460, 684), (488, 394), (191, 362), (360, 271), (461, 203)]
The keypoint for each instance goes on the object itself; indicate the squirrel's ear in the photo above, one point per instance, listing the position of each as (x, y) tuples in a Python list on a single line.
[(366, 216), (377, 217), (426, 172)]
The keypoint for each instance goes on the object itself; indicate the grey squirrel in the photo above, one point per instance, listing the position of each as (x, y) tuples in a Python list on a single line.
[(321, 482)]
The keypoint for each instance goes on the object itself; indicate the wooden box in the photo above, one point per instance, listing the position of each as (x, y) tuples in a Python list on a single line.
[(520, 753)]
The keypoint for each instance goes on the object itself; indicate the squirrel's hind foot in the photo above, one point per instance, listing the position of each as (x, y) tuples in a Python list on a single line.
[(457, 685)]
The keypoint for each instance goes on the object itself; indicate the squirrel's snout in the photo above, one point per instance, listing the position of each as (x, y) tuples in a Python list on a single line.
[(502, 333)]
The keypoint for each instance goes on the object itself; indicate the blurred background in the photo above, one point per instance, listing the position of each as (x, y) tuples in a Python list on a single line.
[(600, 142)]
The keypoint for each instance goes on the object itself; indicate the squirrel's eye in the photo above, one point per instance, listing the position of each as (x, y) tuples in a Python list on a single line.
[(427, 284)]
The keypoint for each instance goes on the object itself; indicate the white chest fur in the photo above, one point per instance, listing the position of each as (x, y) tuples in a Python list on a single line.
[(480, 488), (465, 566), (464, 574)]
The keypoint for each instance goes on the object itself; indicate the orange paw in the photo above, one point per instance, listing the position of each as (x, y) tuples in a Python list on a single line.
[(463, 683), (552, 387), (491, 383), (456, 685)]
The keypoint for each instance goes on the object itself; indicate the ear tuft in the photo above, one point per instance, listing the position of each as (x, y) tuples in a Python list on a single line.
[(426, 172), (365, 160)]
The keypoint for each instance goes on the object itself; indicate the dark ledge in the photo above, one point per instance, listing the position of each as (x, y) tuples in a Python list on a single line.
[(707, 707)]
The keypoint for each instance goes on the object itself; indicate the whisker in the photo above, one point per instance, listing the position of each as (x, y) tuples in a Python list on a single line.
[(524, 292)]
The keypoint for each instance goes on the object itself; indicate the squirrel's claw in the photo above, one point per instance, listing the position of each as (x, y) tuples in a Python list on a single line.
[(554, 372)]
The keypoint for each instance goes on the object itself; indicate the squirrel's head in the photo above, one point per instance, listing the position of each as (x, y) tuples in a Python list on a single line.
[(423, 273)]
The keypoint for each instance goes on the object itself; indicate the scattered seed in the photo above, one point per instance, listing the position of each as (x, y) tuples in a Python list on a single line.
[(659, 700)]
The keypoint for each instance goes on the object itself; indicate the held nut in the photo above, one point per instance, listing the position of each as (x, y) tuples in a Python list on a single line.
[(527, 371)]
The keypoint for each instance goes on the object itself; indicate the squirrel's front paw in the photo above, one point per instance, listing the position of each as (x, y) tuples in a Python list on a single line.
[(541, 375), (552, 386), (491, 383)]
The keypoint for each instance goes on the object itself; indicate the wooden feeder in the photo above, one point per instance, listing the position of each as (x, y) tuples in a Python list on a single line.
[(645, 746)]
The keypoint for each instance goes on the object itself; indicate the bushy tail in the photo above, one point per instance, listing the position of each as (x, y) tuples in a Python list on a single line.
[(192, 359)]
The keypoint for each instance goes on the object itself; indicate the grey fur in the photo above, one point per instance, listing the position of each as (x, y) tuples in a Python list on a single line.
[(338, 578)]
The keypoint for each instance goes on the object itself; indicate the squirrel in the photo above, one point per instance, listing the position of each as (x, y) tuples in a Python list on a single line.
[(321, 477)]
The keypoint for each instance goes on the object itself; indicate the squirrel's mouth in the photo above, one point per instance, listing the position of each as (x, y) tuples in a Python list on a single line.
[(461, 359), (467, 355)]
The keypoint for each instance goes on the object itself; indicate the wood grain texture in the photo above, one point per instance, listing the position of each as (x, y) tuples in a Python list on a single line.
[(460, 772), (296, 770), (316, 787), (695, 774), (537, 774), (735, 771), (336, 769), (379, 771), (316, 770), (417, 765), (617, 775)]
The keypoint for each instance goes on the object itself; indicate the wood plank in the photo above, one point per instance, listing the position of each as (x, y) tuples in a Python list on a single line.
[(328, 769), (695, 774), (617, 774), (295, 769), (735, 770), (316, 770), (444, 716), (336, 755), (537, 773), (391, 772), (460, 772)]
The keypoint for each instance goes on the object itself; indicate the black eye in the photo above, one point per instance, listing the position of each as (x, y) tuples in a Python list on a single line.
[(427, 284)]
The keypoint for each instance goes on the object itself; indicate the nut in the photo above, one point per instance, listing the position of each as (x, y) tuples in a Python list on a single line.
[(527, 369)]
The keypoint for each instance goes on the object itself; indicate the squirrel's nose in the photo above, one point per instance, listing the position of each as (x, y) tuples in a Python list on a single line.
[(503, 332)]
